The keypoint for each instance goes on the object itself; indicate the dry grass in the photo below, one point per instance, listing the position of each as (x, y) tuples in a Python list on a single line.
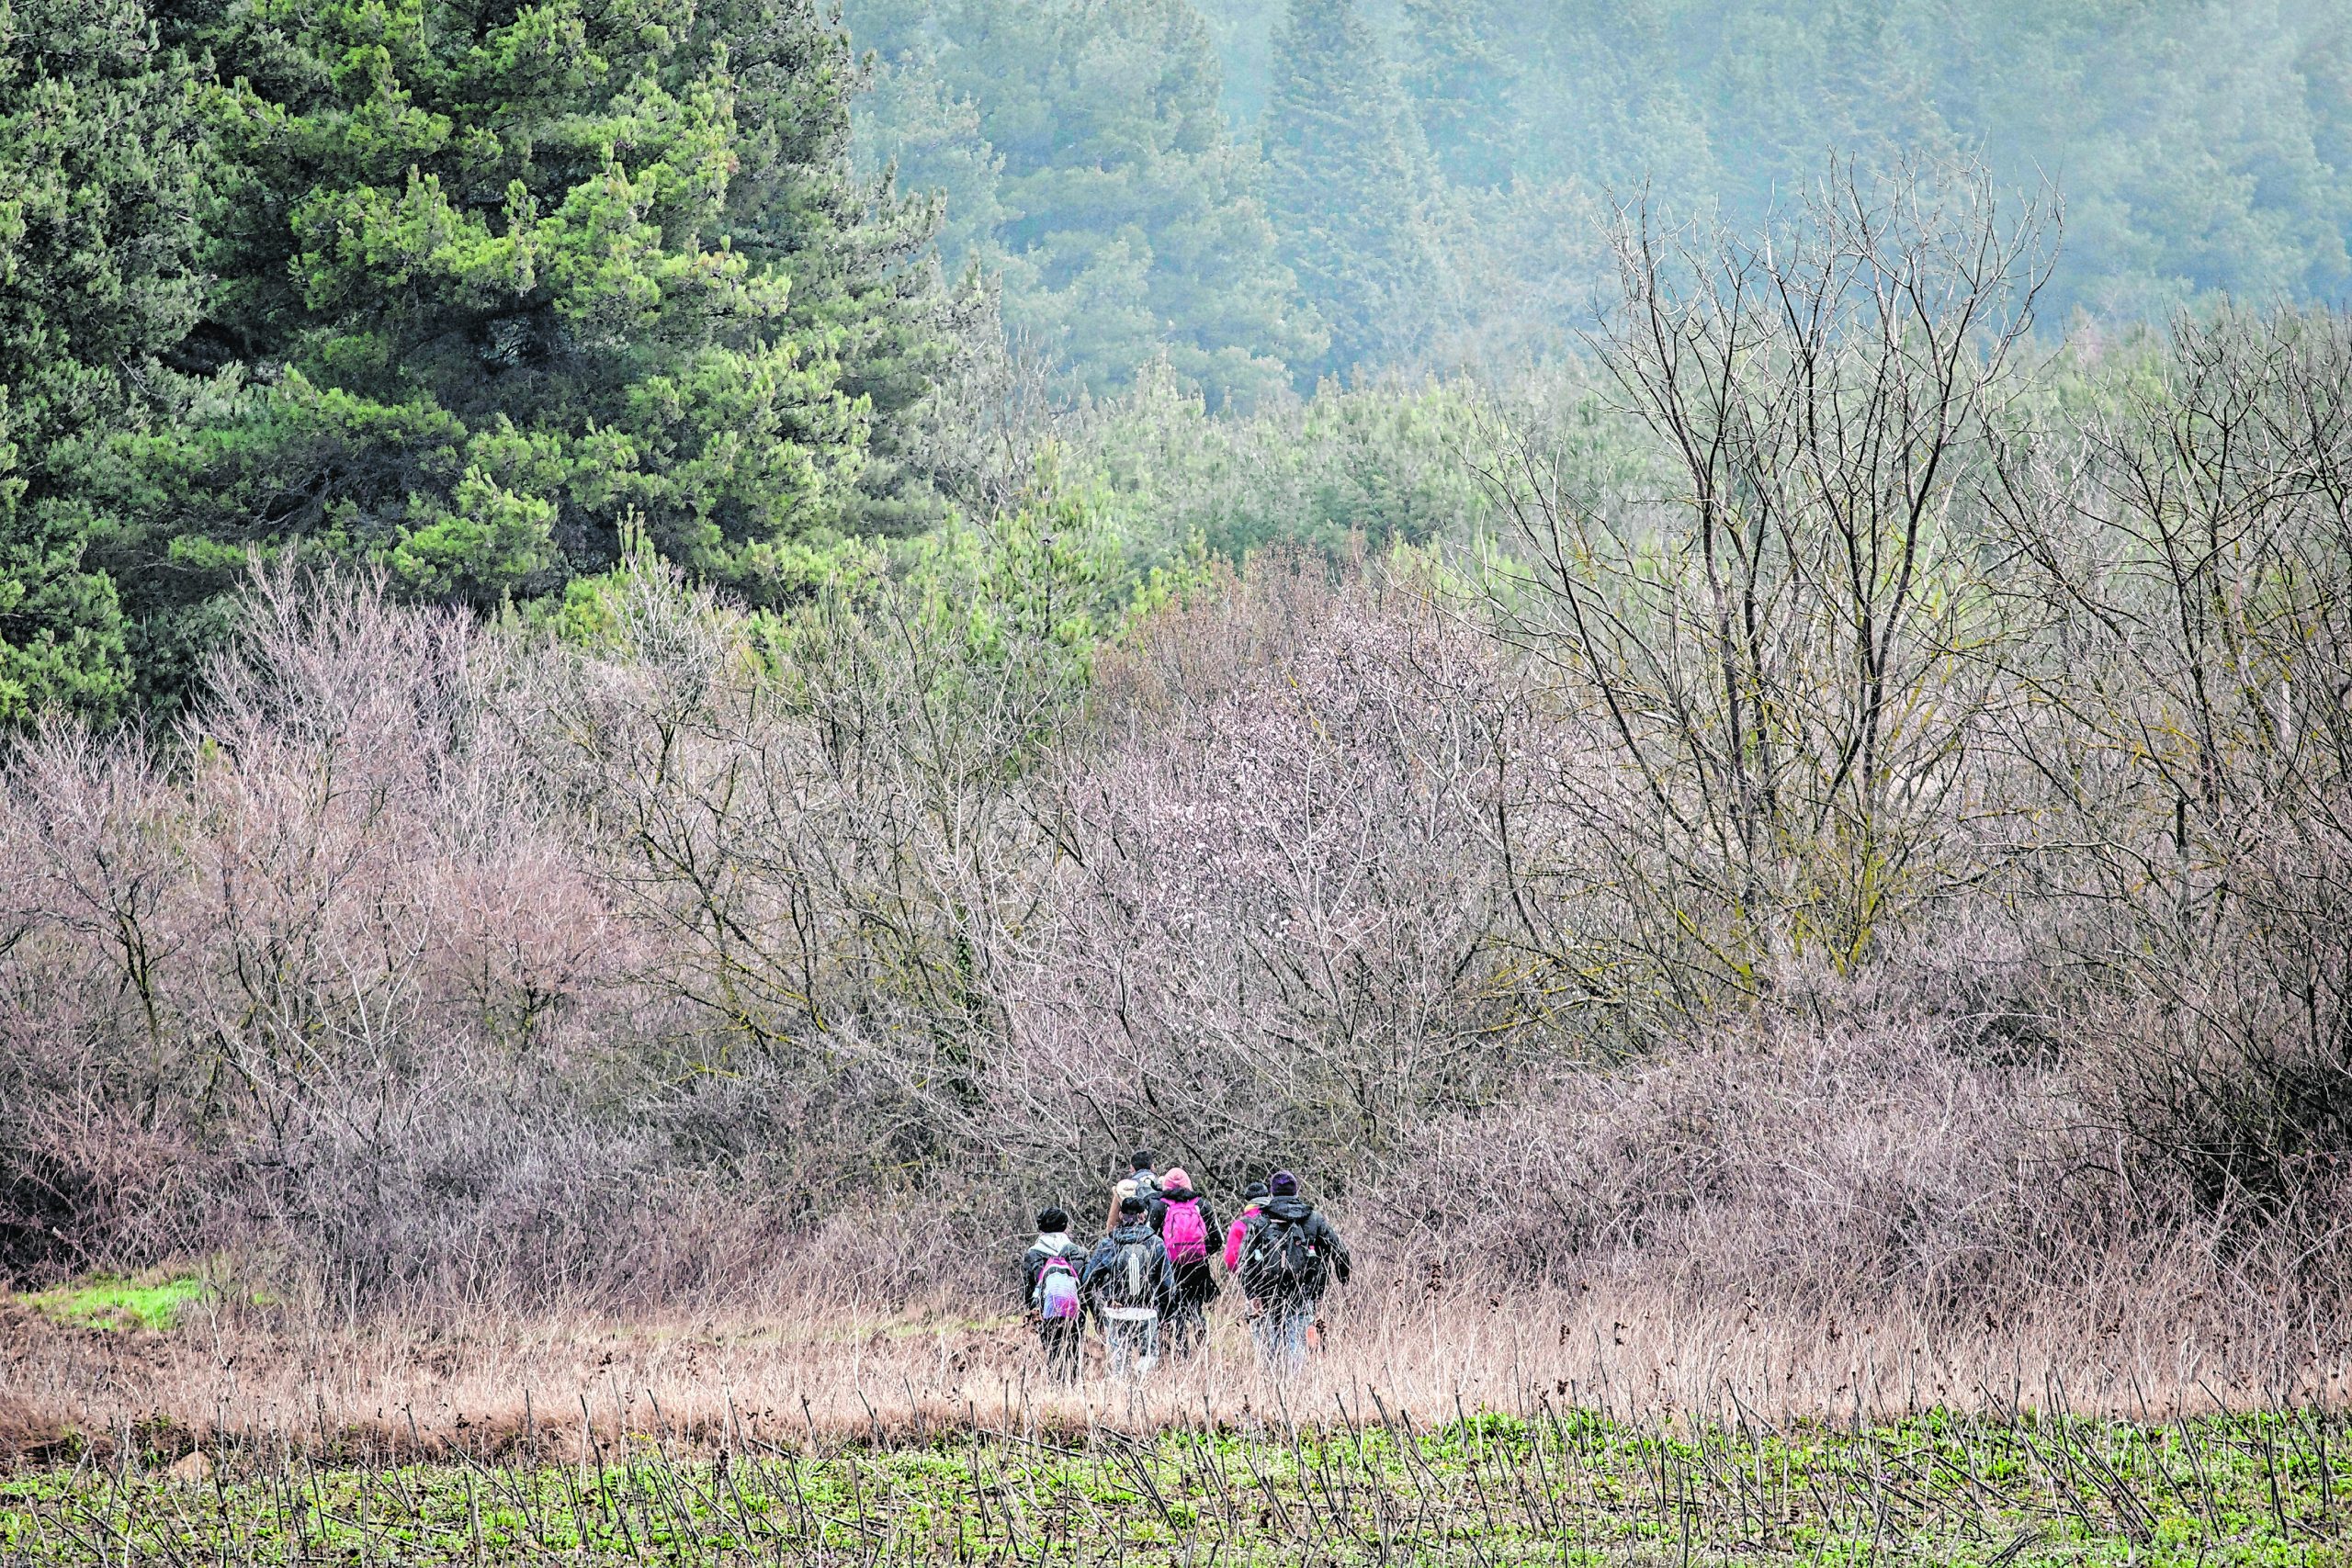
[(478, 1382)]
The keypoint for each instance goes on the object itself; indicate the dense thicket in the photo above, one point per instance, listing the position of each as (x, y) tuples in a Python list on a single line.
[(1962, 916)]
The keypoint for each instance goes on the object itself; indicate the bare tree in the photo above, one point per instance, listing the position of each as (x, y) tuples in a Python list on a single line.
[(1787, 645), (2189, 707), (822, 823)]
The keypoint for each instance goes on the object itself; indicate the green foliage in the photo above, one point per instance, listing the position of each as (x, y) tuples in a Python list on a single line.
[(1044, 582), (1460, 74), (859, 258), (1566, 1485), (1027, 597), (1370, 467), (105, 1303), (60, 634), (1086, 159), (2199, 149), (101, 175), (1347, 182), (490, 285), (460, 294)]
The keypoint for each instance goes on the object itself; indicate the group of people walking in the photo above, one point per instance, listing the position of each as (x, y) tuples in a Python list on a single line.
[(1149, 1281)]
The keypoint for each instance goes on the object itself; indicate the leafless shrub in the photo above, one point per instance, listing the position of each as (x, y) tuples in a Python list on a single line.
[(1283, 921), (2189, 549), (1823, 1170), (255, 981), (97, 898)]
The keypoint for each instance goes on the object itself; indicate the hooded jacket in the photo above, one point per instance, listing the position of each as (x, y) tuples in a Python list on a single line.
[(1095, 1283), (1049, 1244), (1320, 1234), (1143, 1184)]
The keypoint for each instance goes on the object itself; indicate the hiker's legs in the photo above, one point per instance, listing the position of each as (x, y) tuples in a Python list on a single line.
[(1134, 1344), (1281, 1331), (1058, 1337), (1187, 1327), (1266, 1328)]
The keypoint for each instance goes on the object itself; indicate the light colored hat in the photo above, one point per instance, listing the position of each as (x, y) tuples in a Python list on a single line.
[(1176, 1180)]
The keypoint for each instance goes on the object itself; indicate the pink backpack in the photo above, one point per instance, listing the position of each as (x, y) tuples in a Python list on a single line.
[(1185, 1232), (1058, 1289)]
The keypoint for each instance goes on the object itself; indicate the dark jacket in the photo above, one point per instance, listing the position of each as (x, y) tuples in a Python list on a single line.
[(1319, 1234), (1057, 1244), (1095, 1283)]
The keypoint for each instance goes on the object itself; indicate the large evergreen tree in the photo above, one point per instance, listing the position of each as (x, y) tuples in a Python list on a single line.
[(1347, 184), (1460, 72), (1620, 118), (496, 283), (857, 254), (100, 181), (1122, 216)]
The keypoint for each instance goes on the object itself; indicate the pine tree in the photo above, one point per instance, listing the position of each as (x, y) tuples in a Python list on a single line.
[(1629, 125), (497, 285), (1460, 75), (100, 183), (913, 122), (1346, 185), (1130, 227), (858, 255)]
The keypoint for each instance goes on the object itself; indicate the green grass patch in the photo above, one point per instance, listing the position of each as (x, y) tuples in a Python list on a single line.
[(103, 1302), (1494, 1491)]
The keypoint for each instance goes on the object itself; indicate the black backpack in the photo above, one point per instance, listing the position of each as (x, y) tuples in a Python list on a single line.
[(1131, 1278), (1281, 1259)]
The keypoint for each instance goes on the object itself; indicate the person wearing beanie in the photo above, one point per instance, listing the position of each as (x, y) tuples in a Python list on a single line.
[(1290, 1256), (1185, 1227), (1052, 1273), (1253, 1198), (1130, 1287)]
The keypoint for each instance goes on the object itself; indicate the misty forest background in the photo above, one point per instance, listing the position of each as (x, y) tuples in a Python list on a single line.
[(654, 641)]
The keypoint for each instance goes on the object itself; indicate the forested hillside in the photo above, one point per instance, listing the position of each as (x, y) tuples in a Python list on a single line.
[(1431, 169)]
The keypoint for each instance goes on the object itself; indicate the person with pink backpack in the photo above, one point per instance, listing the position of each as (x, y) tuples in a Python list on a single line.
[(1050, 1271), (1186, 1228)]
